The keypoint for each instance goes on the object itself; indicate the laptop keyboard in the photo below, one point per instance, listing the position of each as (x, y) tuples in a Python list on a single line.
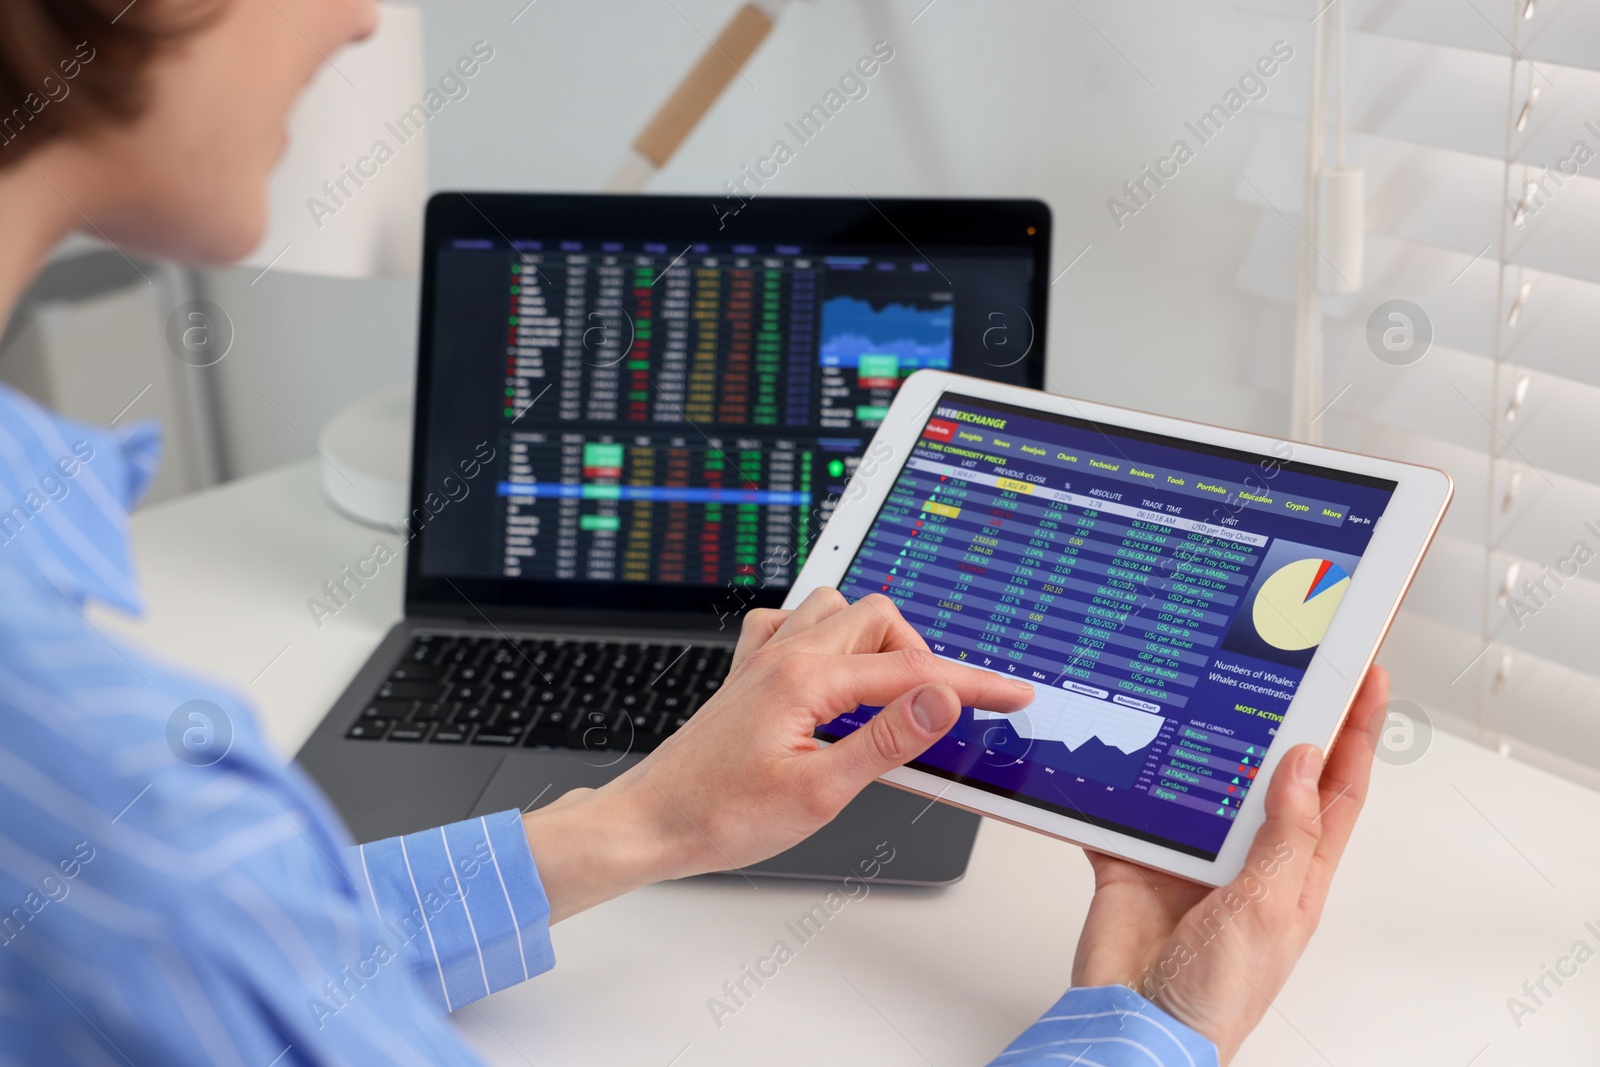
[(541, 692)]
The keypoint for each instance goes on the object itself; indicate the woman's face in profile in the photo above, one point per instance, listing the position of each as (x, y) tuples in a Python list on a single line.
[(188, 178)]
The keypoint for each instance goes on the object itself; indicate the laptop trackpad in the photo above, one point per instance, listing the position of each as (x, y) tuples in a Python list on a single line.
[(531, 780), (931, 842)]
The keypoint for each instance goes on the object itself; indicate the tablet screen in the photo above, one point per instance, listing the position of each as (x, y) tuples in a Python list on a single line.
[(1163, 597)]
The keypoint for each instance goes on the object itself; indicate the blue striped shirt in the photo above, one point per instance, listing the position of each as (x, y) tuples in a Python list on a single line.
[(171, 892)]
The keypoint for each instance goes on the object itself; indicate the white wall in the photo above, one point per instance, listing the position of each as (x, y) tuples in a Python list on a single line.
[(304, 349), (1029, 98)]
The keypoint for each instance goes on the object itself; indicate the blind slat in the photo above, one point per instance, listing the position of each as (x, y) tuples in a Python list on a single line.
[(1448, 200)]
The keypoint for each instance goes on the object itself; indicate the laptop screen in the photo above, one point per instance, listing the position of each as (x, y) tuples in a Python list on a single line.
[(658, 413)]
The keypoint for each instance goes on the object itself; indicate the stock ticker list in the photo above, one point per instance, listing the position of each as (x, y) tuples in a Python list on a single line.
[(685, 415)]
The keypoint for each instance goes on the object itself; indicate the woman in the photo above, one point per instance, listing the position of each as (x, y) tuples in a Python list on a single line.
[(161, 912)]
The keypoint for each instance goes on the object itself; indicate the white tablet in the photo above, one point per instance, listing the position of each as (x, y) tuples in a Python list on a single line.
[(1189, 602)]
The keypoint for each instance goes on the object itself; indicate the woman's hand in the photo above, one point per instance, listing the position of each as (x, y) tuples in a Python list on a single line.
[(1215, 958), (743, 779)]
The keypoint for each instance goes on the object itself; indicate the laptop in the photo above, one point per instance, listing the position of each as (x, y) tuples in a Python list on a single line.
[(633, 416)]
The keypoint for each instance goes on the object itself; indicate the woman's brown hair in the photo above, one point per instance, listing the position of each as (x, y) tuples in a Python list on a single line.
[(69, 65)]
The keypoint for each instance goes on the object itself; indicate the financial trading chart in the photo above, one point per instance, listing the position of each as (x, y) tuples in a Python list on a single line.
[(686, 415), (872, 337), (1163, 605)]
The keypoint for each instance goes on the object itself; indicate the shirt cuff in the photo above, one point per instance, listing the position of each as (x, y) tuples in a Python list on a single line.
[(1111, 1026), (465, 903)]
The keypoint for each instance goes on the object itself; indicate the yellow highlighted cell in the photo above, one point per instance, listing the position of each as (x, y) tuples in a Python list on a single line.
[(946, 510), (1014, 485)]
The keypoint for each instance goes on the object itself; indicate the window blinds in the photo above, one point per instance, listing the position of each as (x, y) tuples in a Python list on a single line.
[(1478, 124)]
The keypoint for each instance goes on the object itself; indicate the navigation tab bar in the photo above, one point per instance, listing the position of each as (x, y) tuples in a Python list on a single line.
[(973, 441), (1109, 507)]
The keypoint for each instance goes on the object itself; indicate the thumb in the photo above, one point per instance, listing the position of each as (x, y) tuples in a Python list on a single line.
[(902, 731), (1286, 844)]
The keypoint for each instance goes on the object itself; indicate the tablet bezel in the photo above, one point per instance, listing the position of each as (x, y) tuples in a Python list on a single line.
[(1388, 565)]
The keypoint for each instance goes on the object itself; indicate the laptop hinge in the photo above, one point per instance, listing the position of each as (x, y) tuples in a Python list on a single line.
[(700, 623)]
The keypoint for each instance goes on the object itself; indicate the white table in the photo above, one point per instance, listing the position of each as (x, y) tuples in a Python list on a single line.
[(1468, 873)]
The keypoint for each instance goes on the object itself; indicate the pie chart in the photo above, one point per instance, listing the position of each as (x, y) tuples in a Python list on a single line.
[(1296, 603)]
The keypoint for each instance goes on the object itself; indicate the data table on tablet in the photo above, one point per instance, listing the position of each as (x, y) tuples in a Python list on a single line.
[(1164, 598)]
